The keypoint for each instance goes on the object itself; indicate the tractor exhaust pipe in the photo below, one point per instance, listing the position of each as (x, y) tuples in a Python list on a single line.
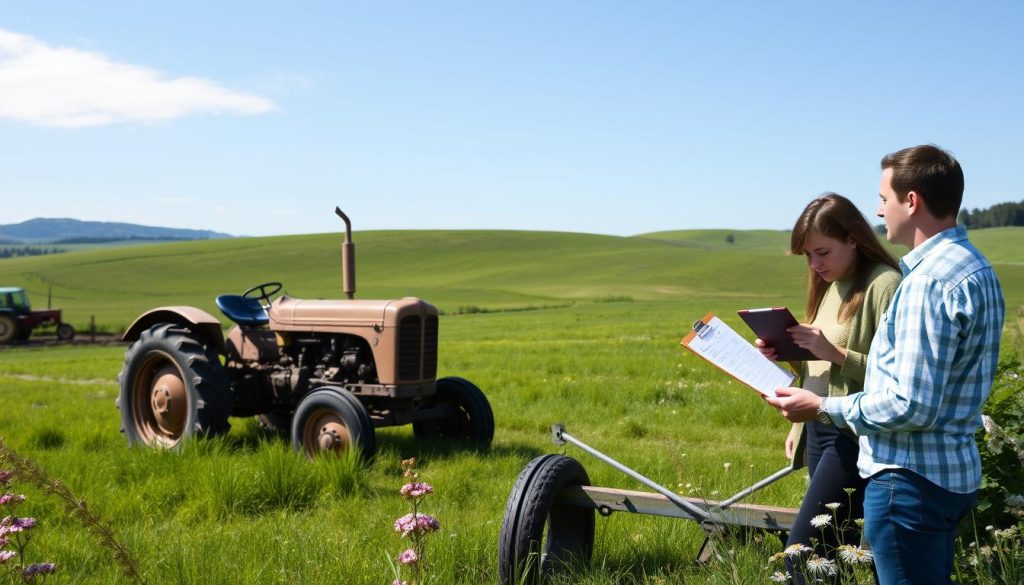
[(348, 258)]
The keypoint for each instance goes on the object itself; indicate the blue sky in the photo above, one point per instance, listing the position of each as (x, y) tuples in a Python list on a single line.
[(257, 118)]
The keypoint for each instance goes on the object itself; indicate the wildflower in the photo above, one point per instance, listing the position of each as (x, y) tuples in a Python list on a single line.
[(416, 489), (409, 468), (819, 567), (833, 506), (8, 498), (12, 525), (727, 466), (779, 577), (399, 582), (854, 555), (795, 550), (776, 557), (821, 521), (408, 557), (39, 569), (416, 524), (6, 555), (1004, 534), (5, 477)]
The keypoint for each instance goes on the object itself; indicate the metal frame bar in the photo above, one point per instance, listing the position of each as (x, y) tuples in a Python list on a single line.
[(668, 503)]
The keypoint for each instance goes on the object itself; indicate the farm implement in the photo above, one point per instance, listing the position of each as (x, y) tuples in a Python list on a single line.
[(549, 520)]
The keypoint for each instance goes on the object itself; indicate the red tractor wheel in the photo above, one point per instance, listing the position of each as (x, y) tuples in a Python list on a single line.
[(8, 329), (171, 389), (65, 332)]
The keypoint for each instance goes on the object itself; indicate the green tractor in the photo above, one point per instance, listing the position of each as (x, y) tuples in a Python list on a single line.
[(18, 320)]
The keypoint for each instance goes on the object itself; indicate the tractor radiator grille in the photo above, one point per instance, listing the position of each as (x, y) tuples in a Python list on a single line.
[(409, 347), (417, 348), (430, 347)]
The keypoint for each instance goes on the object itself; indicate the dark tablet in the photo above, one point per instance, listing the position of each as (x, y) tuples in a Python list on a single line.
[(770, 325)]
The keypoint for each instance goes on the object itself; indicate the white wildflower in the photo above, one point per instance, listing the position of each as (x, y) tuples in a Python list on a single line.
[(833, 506), (795, 550), (779, 577), (821, 521), (819, 567), (854, 555)]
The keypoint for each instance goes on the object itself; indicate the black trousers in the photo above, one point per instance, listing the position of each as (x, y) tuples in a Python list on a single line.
[(832, 464)]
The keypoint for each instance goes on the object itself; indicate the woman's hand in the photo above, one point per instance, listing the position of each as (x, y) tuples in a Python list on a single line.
[(791, 440), (811, 337), (765, 349)]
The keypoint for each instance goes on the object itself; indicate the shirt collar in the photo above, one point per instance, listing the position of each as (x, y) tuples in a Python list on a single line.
[(915, 256)]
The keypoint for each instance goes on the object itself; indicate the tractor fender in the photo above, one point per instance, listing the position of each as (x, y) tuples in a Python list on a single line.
[(199, 321)]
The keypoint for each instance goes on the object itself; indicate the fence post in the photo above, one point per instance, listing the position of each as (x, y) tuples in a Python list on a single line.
[(92, 328)]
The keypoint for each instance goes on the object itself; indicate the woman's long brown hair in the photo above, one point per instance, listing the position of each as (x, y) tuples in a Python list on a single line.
[(834, 216)]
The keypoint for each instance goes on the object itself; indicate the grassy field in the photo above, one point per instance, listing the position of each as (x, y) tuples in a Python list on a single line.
[(603, 358)]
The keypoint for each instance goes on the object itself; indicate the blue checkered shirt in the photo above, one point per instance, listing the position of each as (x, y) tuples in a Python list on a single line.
[(931, 367)]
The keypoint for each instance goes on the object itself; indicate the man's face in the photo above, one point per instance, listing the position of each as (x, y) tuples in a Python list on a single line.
[(895, 213)]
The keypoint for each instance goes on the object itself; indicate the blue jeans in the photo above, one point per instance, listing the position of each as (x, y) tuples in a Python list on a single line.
[(911, 524)]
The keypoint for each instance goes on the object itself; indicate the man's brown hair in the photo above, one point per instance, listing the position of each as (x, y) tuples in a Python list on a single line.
[(930, 172)]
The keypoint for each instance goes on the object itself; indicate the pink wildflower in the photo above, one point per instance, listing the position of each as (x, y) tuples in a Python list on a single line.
[(12, 525), (7, 498), (39, 569), (5, 477), (416, 524), (399, 582), (6, 555), (416, 489), (408, 557)]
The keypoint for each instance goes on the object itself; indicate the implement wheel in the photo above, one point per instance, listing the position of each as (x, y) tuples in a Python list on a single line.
[(539, 536), (172, 388), (65, 332), (470, 417), (330, 421)]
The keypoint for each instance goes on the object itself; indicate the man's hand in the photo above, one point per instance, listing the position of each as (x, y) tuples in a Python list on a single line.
[(796, 404)]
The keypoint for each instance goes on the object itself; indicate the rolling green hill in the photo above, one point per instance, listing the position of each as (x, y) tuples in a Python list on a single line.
[(492, 270)]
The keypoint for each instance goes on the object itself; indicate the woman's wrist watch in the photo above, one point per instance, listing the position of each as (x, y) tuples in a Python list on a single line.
[(823, 417)]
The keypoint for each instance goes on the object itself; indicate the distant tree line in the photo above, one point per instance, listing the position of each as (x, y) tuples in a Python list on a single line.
[(1000, 214), (13, 251), (109, 239)]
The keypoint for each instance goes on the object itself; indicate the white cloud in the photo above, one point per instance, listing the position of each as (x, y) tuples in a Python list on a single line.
[(71, 88)]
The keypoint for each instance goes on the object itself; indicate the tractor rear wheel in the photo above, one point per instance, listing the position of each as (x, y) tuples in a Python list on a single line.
[(8, 329), (172, 387), (331, 420), (470, 417), (540, 536)]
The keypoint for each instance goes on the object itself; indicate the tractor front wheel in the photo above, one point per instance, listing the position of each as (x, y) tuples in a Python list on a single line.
[(331, 420), (65, 332), (470, 417), (172, 387), (8, 329)]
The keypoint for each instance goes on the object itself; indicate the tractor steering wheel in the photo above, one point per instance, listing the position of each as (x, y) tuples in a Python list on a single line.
[(262, 292)]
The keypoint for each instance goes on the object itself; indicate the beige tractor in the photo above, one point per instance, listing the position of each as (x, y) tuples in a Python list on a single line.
[(329, 372)]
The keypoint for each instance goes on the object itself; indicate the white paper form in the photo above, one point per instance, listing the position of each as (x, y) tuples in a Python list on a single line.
[(716, 342)]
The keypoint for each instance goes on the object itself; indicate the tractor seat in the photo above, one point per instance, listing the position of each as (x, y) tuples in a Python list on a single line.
[(245, 312)]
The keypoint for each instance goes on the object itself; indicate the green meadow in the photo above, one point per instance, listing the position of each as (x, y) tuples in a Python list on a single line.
[(555, 327)]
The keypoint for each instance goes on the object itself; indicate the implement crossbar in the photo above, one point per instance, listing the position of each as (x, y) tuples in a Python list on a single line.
[(560, 436)]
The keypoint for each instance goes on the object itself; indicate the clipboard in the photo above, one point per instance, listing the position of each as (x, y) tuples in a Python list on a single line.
[(717, 343), (770, 325)]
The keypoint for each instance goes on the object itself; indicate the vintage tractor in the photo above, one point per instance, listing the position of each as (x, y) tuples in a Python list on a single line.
[(328, 371), (18, 320)]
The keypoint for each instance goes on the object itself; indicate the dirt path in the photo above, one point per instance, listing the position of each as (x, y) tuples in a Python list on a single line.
[(29, 378)]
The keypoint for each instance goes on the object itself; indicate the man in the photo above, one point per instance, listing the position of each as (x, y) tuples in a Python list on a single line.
[(929, 372)]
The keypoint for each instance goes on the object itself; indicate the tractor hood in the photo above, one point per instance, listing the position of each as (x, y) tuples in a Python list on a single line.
[(291, 314)]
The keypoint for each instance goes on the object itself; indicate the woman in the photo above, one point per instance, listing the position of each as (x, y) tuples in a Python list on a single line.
[(850, 280)]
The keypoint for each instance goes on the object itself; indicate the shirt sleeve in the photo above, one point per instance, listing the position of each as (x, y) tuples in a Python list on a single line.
[(927, 328)]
